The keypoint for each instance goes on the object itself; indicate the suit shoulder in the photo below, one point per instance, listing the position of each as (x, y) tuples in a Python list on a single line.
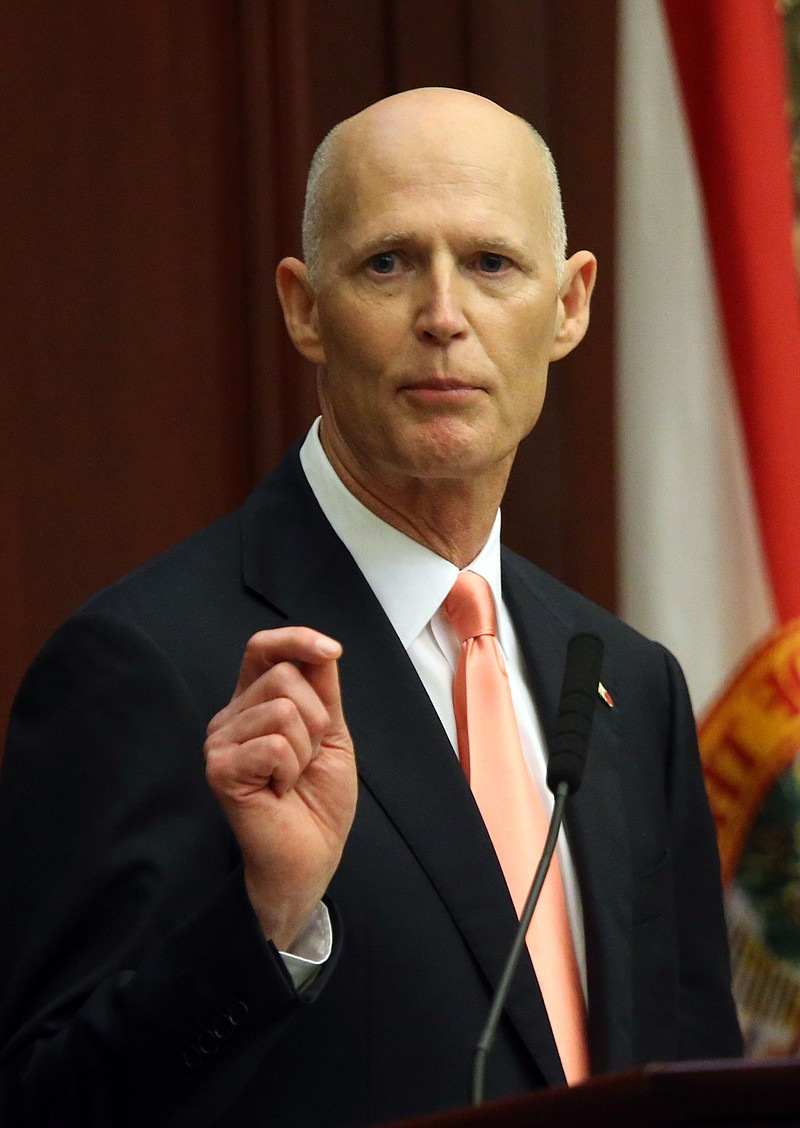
[(208, 558), (205, 570), (575, 610)]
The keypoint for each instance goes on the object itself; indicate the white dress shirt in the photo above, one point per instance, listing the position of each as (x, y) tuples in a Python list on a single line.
[(411, 583)]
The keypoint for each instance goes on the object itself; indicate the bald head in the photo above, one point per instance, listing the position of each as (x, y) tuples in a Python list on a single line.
[(428, 120)]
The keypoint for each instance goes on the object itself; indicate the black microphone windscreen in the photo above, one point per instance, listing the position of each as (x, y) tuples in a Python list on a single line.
[(574, 721)]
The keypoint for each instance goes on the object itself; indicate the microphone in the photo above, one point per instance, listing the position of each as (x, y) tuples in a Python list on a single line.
[(575, 711), (564, 774)]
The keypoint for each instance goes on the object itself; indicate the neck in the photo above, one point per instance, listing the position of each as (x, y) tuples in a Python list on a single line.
[(451, 517)]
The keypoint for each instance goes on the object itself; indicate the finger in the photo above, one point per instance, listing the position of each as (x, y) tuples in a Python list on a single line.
[(285, 680), (275, 761), (303, 725), (283, 644)]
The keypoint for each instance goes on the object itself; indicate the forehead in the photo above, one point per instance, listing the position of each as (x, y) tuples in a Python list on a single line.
[(440, 176)]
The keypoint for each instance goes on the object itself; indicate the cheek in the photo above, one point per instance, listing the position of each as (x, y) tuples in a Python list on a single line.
[(525, 379), (350, 379), (525, 364), (356, 335), (528, 403)]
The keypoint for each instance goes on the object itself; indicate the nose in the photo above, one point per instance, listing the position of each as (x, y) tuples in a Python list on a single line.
[(440, 316)]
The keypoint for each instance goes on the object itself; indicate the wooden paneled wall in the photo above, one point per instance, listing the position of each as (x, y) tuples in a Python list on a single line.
[(154, 156)]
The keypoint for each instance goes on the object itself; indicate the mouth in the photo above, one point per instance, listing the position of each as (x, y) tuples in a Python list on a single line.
[(443, 388)]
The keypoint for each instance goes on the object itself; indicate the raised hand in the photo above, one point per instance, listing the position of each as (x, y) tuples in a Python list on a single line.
[(280, 761)]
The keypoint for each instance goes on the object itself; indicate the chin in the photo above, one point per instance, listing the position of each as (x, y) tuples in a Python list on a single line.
[(450, 457)]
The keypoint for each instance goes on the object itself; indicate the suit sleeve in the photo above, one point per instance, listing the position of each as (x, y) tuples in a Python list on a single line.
[(137, 987), (707, 1026)]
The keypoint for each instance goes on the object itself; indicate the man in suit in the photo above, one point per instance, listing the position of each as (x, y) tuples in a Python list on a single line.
[(314, 939)]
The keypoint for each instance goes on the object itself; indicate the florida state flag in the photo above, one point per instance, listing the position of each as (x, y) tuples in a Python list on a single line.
[(710, 423)]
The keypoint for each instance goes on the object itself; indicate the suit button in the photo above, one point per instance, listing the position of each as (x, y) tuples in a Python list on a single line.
[(208, 1043), (238, 1014), (192, 1058), (223, 1028)]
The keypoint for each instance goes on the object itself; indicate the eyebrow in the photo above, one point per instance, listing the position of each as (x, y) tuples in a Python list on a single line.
[(388, 241)]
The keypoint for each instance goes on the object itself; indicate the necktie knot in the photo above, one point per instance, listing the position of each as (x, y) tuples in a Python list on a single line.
[(470, 607)]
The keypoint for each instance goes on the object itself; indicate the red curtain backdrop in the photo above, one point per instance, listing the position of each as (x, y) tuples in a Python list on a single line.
[(154, 159)]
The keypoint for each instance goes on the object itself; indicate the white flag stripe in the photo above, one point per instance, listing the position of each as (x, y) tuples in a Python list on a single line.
[(691, 568)]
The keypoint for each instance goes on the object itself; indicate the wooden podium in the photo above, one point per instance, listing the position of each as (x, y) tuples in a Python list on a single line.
[(722, 1094)]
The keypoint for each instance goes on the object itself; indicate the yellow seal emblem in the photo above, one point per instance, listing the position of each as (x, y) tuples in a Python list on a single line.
[(749, 744)]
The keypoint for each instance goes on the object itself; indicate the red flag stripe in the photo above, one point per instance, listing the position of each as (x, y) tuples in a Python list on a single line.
[(730, 59)]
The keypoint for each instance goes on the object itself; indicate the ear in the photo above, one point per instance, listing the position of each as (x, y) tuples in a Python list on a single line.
[(574, 299), (299, 304)]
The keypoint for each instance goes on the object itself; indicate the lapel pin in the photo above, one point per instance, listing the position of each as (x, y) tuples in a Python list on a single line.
[(605, 695)]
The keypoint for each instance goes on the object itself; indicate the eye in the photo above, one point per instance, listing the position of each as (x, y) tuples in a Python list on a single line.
[(489, 262), (383, 263)]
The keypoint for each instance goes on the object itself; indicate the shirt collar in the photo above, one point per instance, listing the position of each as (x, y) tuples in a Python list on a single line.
[(409, 580)]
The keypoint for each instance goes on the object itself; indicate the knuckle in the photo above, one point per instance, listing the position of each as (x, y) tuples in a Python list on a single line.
[(213, 743), (318, 724), (275, 749), (284, 712), (278, 677), (217, 768), (254, 647), (214, 725)]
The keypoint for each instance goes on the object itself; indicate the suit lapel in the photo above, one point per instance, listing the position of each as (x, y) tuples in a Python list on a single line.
[(404, 757), (595, 817)]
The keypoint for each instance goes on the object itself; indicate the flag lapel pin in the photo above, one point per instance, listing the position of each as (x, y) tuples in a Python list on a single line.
[(605, 695)]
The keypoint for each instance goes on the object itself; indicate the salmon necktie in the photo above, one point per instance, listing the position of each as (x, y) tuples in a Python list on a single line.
[(515, 817)]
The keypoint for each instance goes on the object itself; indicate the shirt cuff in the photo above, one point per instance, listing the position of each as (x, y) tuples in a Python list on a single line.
[(311, 948)]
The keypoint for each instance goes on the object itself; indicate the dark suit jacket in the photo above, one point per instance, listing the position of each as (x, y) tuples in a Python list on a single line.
[(137, 987)]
